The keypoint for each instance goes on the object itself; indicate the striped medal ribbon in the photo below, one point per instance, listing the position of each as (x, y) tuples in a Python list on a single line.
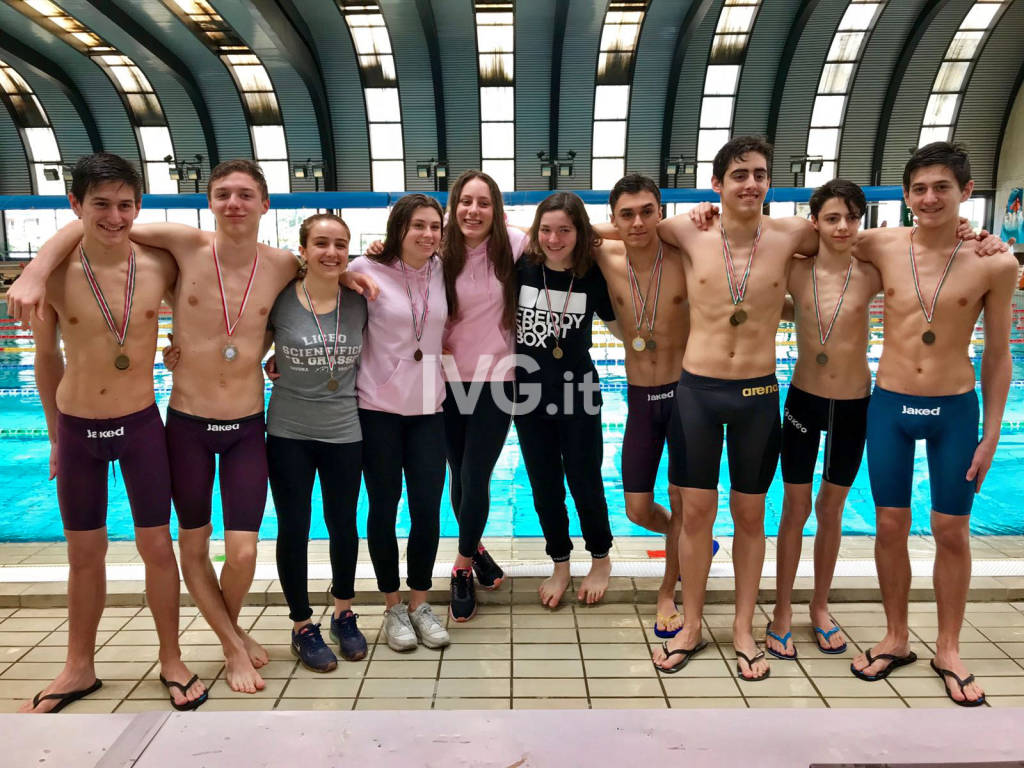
[(332, 383), (122, 361), (928, 337), (738, 290), (639, 343), (822, 357), (556, 327), (230, 351), (425, 295)]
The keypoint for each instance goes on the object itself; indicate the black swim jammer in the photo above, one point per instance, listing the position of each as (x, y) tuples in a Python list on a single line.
[(805, 417)]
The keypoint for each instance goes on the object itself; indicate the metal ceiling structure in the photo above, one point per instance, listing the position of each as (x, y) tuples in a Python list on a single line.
[(362, 95)]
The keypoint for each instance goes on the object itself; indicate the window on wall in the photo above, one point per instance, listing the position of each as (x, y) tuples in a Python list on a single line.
[(141, 101), (36, 132), (834, 86), (495, 45), (619, 37), (943, 107), (725, 64), (259, 98), (380, 91)]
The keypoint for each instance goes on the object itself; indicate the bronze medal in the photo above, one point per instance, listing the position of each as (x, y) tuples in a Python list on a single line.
[(557, 352), (738, 317), (639, 344), (417, 355), (230, 352), (332, 385), (821, 359), (121, 362), (651, 345), (928, 337)]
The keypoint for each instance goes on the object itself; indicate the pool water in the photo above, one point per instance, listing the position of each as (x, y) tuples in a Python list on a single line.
[(29, 506)]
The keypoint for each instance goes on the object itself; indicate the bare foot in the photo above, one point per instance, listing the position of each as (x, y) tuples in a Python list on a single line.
[(686, 638), (596, 582), (257, 653), (899, 647), (668, 618), (176, 672), (68, 681), (822, 619), (553, 587), (952, 662), (241, 675)]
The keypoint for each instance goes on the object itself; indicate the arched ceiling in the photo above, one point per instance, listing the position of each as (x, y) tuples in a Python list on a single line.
[(308, 52)]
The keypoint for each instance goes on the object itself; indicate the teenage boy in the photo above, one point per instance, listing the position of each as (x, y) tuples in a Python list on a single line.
[(98, 399), (828, 393), (736, 273), (935, 289), (228, 282)]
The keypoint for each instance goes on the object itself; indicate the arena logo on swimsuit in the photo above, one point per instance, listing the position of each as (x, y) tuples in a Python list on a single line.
[(119, 432), (922, 411), (755, 391)]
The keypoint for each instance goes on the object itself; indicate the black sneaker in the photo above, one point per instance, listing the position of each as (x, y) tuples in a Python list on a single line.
[(346, 634), (463, 603), (311, 649), (488, 572)]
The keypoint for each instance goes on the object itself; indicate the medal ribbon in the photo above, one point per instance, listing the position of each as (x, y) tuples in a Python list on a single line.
[(556, 327), (929, 312), (418, 331), (97, 292), (738, 291), (331, 362), (823, 335), (229, 326), (634, 284)]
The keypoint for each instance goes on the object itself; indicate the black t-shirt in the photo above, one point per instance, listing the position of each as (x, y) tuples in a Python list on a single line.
[(535, 339)]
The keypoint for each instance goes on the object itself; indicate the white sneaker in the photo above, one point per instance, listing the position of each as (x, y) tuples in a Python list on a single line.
[(429, 629), (398, 629)]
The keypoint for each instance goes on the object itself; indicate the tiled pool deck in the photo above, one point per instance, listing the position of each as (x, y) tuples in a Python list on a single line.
[(516, 654)]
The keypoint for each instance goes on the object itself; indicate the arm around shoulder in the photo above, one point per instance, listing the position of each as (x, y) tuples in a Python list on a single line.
[(28, 292)]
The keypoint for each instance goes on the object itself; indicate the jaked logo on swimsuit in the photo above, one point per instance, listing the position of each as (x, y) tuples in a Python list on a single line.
[(221, 427), (653, 397), (922, 411), (755, 391), (119, 432)]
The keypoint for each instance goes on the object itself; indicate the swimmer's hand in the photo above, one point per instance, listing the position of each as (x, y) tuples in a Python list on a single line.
[(27, 293), (53, 460), (362, 284), (270, 368), (702, 216), (376, 248), (171, 354), (990, 245), (965, 231), (981, 463)]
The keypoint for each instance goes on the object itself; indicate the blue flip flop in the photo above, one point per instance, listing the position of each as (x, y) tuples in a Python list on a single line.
[(666, 633), (782, 641), (826, 635)]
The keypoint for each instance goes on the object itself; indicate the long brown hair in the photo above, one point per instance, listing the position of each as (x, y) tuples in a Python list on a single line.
[(499, 249), (586, 238), (398, 225)]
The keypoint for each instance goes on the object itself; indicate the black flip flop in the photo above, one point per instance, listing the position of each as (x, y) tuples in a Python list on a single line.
[(63, 699), (188, 706), (894, 663), (944, 673), (686, 653), (750, 665)]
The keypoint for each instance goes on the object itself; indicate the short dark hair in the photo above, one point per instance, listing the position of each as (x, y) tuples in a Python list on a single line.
[(99, 168), (316, 218), (633, 184), (398, 224), (847, 191), (586, 238), (239, 165), (738, 147), (952, 156)]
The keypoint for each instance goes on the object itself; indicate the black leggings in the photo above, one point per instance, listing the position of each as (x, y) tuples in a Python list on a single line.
[(293, 465), (557, 451), (393, 444), (474, 442)]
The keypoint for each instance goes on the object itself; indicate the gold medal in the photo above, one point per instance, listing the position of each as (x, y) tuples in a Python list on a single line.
[(737, 290), (230, 352), (821, 359), (641, 318), (639, 344), (557, 352), (121, 362), (928, 337), (332, 385)]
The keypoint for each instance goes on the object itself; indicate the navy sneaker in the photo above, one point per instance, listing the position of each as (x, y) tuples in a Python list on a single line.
[(463, 603), (311, 649), (488, 572), (346, 634)]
